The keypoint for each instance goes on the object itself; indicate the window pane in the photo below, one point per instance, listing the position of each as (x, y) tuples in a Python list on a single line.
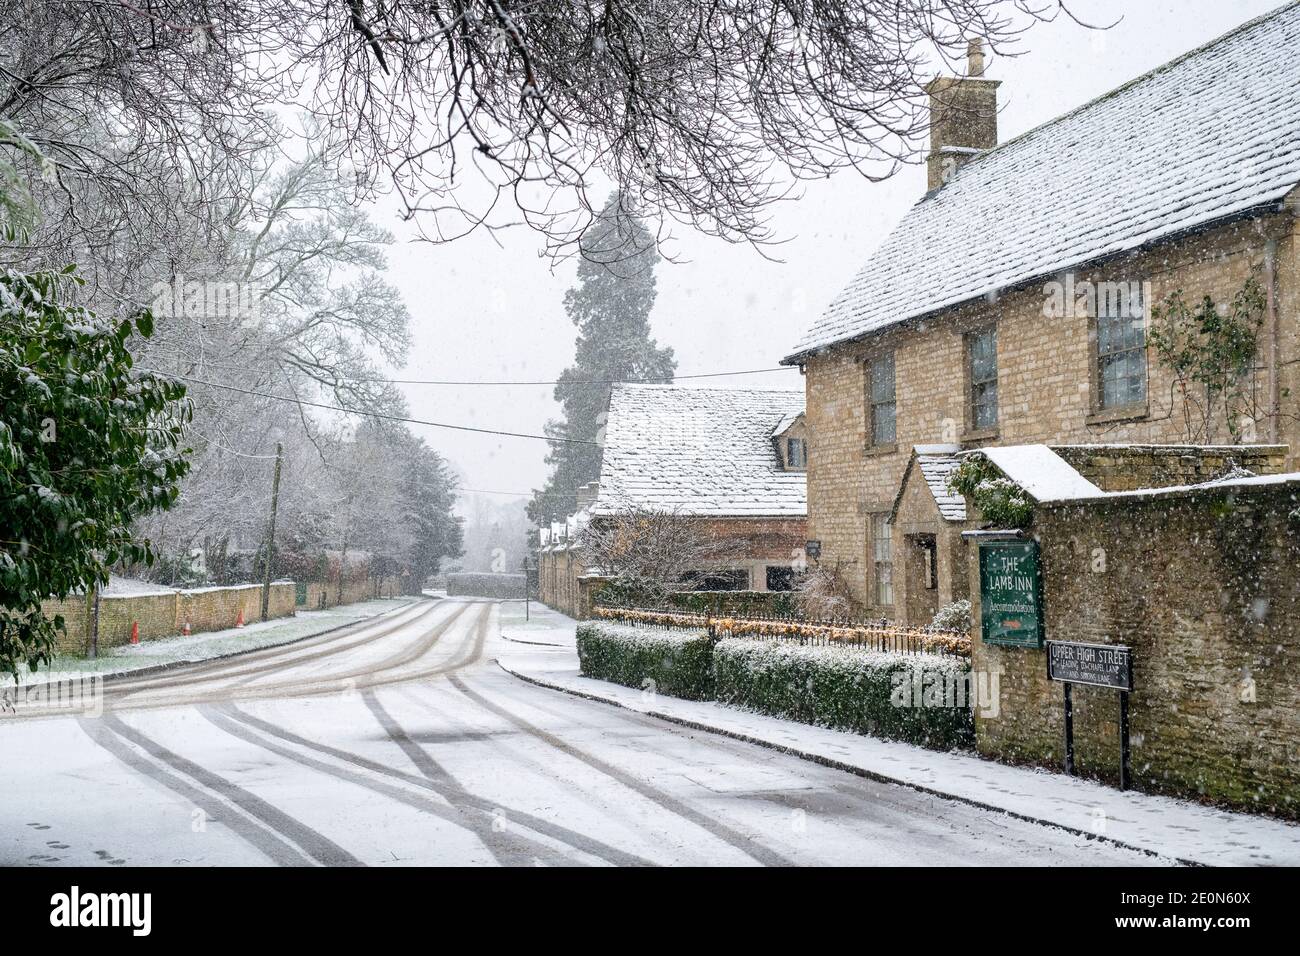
[(880, 536), (1137, 376), (983, 356), (885, 585), (882, 554), (984, 411), (882, 378), (882, 424), (983, 352)]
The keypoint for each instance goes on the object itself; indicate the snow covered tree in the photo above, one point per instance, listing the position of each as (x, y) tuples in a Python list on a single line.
[(427, 493), (648, 553), (87, 445), (611, 307), (704, 119)]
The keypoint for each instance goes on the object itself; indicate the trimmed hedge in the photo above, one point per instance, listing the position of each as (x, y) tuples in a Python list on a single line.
[(678, 662), (919, 698)]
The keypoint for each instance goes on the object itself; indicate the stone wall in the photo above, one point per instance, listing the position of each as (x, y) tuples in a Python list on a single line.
[(560, 585), (322, 594), (1046, 388), (1129, 467), (1203, 586), (165, 613)]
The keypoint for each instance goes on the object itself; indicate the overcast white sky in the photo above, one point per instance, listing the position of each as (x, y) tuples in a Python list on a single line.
[(481, 311)]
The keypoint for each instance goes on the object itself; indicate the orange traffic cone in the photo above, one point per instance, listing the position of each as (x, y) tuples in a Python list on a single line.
[(135, 632), (239, 621), (186, 629)]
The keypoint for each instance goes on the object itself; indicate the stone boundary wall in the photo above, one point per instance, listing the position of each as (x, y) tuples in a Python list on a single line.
[(1204, 585), (323, 594), (165, 613), (1130, 467)]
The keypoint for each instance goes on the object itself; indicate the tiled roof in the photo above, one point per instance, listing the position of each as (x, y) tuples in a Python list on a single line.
[(937, 463), (937, 469), (1212, 134), (699, 451)]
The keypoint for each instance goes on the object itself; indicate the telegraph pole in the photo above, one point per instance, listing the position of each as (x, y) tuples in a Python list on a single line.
[(270, 533)]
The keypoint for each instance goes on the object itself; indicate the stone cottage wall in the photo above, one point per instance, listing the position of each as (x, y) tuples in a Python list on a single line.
[(1046, 392), (1203, 587)]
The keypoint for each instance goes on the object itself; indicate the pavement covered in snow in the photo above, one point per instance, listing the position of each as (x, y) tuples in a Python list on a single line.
[(400, 741), (1175, 829)]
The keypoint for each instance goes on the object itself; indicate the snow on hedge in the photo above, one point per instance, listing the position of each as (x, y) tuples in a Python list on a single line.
[(919, 698), (658, 660)]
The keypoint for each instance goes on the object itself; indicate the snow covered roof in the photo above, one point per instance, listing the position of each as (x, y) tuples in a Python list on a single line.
[(1210, 135), (699, 451), (937, 463), (1041, 472), (786, 422)]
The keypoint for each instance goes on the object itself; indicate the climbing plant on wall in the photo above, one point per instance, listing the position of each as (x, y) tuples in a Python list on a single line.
[(1211, 349)]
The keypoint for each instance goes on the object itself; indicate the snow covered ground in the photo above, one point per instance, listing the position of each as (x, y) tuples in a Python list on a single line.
[(197, 647), (1172, 828), (400, 741)]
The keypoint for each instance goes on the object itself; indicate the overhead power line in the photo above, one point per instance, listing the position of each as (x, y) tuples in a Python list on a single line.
[(366, 414), (661, 380)]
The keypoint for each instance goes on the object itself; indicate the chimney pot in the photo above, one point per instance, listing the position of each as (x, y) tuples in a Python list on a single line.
[(975, 57)]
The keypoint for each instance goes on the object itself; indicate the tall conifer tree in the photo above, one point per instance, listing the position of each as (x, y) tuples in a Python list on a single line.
[(611, 306)]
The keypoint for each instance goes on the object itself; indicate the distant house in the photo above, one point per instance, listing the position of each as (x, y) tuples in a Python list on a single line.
[(734, 458), (1012, 305)]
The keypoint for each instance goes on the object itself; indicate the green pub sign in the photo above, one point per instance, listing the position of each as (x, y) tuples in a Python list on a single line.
[(1011, 593)]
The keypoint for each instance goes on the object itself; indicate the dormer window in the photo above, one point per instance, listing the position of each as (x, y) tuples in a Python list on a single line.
[(790, 443)]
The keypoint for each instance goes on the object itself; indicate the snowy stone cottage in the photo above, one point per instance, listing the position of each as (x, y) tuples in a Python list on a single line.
[(733, 458), (1014, 305)]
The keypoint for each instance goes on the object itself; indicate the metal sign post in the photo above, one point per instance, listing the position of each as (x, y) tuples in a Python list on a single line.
[(1069, 731), (1097, 665), (526, 595)]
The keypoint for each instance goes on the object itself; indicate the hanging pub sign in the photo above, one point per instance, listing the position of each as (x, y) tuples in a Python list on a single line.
[(1011, 592)]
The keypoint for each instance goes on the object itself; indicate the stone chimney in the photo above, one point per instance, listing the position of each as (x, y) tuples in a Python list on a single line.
[(963, 117)]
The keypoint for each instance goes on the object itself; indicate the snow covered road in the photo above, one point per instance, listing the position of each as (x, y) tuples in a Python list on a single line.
[(396, 741)]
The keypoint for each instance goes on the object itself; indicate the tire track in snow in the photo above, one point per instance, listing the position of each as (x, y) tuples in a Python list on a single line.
[(508, 849), (260, 837), (578, 841), (740, 841), (277, 658), (315, 844), (349, 679)]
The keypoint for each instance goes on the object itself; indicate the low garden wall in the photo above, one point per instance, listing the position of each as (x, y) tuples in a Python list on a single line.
[(918, 698), (164, 613)]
